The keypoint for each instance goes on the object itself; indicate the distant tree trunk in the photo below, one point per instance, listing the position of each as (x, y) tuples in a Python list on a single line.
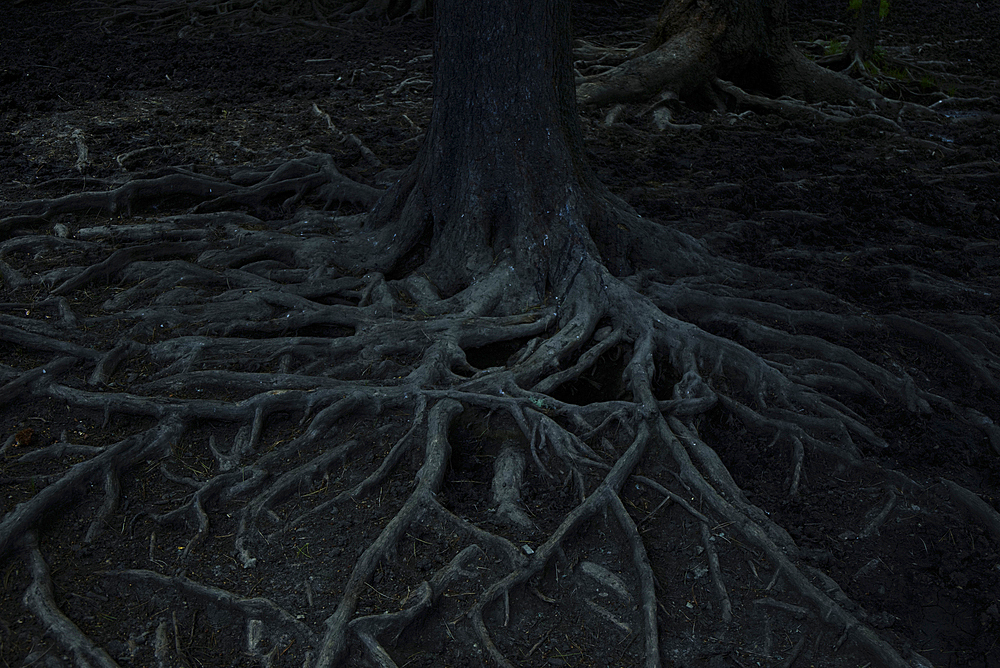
[(696, 42), (861, 46)]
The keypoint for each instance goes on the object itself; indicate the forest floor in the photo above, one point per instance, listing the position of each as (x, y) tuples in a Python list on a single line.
[(849, 208)]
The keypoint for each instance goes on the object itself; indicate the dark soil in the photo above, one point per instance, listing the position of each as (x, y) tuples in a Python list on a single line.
[(853, 209)]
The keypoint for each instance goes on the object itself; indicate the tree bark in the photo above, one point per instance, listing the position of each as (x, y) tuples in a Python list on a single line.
[(501, 181)]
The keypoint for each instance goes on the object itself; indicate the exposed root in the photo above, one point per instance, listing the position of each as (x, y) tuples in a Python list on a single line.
[(429, 478), (262, 609), (508, 477), (979, 509), (421, 600), (383, 9), (40, 600), (200, 18), (604, 497), (777, 552), (726, 606), (794, 109), (285, 185), (153, 443), (277, 392)]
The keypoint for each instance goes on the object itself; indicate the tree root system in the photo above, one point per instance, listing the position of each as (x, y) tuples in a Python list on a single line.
[(261, 439)]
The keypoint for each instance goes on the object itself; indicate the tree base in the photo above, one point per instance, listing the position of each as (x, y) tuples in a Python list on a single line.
[(705, 55)]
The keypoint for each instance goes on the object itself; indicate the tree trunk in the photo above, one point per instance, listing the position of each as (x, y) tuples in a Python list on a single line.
[(742, 41), (501, 182), (861, 46)]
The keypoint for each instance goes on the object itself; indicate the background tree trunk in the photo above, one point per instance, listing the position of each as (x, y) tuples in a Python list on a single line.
[(696, 42), (861, 47)]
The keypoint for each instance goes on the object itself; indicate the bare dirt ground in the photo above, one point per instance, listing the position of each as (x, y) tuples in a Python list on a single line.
[(860, 211)]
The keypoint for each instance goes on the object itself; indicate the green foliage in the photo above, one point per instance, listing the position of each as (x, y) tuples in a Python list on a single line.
[(883, 7), (834, 47), (896, 73)]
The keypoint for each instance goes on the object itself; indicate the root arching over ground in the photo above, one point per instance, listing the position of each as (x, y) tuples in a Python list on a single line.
[(266, 426)]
